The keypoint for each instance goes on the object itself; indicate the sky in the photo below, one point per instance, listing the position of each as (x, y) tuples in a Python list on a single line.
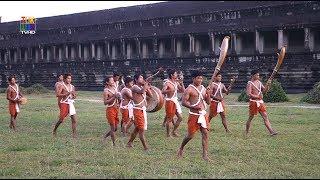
[(13, 10)]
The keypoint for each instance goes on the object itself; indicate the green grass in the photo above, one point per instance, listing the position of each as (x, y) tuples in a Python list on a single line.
[(32, 152)]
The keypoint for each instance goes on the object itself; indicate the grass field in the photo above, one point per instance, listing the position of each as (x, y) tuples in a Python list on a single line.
[(32, 152)]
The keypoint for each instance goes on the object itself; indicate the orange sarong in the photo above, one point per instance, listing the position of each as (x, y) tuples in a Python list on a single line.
[(112, 116), (138, 118), (125, 116), (193, 125), (12, 109), (64, 110), (170, 110), (214, 106), (254, 109)]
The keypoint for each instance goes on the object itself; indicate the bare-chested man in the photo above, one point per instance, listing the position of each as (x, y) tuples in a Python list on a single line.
[(255, 90), (57, 86), (217, 105), (126, 105), (139, 92), (67, 93), (171, 88), (14, 97), (111, 96), (195, 98)]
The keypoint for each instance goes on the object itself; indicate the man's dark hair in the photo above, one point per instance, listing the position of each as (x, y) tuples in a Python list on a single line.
[(65, 76), (136, 76), (116, 74), (170, 72), (59, 74), (127, 80), (107, 79), (11, 77), (255, 71), (219, 73), (196, 73)]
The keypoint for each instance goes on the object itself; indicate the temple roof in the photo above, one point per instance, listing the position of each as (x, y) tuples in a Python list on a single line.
[(140, 12)]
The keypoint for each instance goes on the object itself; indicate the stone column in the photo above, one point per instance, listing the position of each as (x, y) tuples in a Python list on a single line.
[(60, 53), (233, 43), (79, 51), (99, 51), (85, 52), (217, 46), (48, 54), (9, 56), (308, 39), (144, 50), (129, 51), (197, 47), (41, 53), (113, 51), (280, 38), (212, 38), (36, 54), (93, 50), (107, 47), (138, 47), (161, 49), (155, 47), (258, 46), (66, 51), (6, 58), (191, 43), (238, 44), (123, 48), (179, 48), (73, 52), (53, 50)]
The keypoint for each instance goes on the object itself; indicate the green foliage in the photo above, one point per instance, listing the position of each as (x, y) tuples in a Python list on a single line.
[(243, 97), (34, 89), (157, 82), (275, 94), (313, 95), (3, 90)]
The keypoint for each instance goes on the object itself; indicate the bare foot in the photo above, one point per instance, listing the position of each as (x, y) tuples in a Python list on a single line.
[(54, 133), (273, 133), (180, 152), (174, 134), (206, 158), (228, 131), (129, 145)]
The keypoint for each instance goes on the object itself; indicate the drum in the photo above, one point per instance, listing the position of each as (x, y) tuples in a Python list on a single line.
[(155, 102), (23, 101)]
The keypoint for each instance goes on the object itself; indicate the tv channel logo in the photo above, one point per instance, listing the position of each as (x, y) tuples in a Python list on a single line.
[(28, 25)]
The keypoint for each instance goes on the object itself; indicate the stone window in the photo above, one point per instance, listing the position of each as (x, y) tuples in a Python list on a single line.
[(1, 37), (118, 26), (193, 19), (206, 17), (69, 31), (155, 23)]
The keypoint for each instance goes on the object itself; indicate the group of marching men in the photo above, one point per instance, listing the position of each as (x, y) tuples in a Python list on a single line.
[(130, 98)]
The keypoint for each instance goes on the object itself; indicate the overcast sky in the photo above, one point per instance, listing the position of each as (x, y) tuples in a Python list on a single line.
[(13, 10)]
